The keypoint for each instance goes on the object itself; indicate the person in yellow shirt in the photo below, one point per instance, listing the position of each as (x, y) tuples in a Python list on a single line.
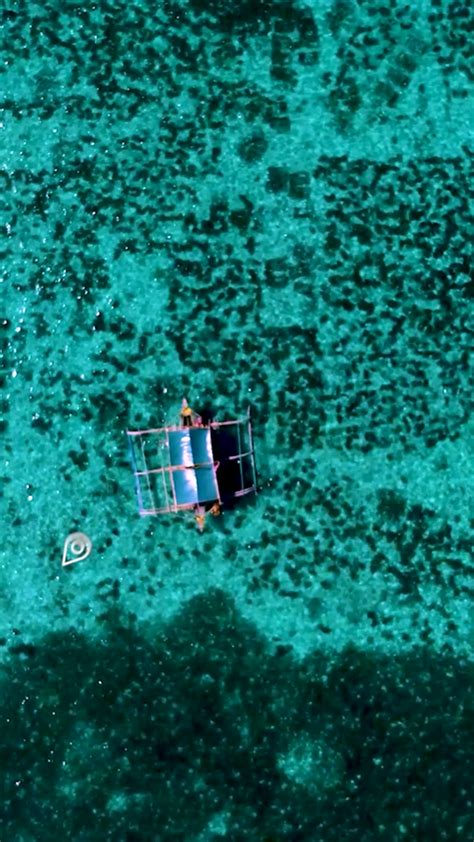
[(200, 517), (186, 414)]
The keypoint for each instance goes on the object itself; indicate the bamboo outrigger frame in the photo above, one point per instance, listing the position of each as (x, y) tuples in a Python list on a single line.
[(178, 468)]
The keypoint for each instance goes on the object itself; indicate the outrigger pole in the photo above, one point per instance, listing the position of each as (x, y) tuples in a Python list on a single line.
[(252, 457), (138, 492)]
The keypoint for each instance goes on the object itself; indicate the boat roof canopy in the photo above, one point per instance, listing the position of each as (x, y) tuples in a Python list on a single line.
[(177, 468)]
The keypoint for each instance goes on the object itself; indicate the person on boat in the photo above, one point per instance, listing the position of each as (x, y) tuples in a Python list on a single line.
[(186, 414), (200, 517)]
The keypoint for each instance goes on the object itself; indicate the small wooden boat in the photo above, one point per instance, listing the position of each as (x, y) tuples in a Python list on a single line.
[(193, 467)]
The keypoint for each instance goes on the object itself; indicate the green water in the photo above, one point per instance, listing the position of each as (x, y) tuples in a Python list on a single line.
[(241, 203)]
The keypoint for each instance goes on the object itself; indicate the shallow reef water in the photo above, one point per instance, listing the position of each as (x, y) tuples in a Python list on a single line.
[(244, 203)]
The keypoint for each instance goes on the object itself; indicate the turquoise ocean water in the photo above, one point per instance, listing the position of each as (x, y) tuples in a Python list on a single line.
[(243, 203)]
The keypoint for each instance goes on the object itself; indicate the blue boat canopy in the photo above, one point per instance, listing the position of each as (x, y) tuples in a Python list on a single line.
[(190, 452), (179, 468)]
